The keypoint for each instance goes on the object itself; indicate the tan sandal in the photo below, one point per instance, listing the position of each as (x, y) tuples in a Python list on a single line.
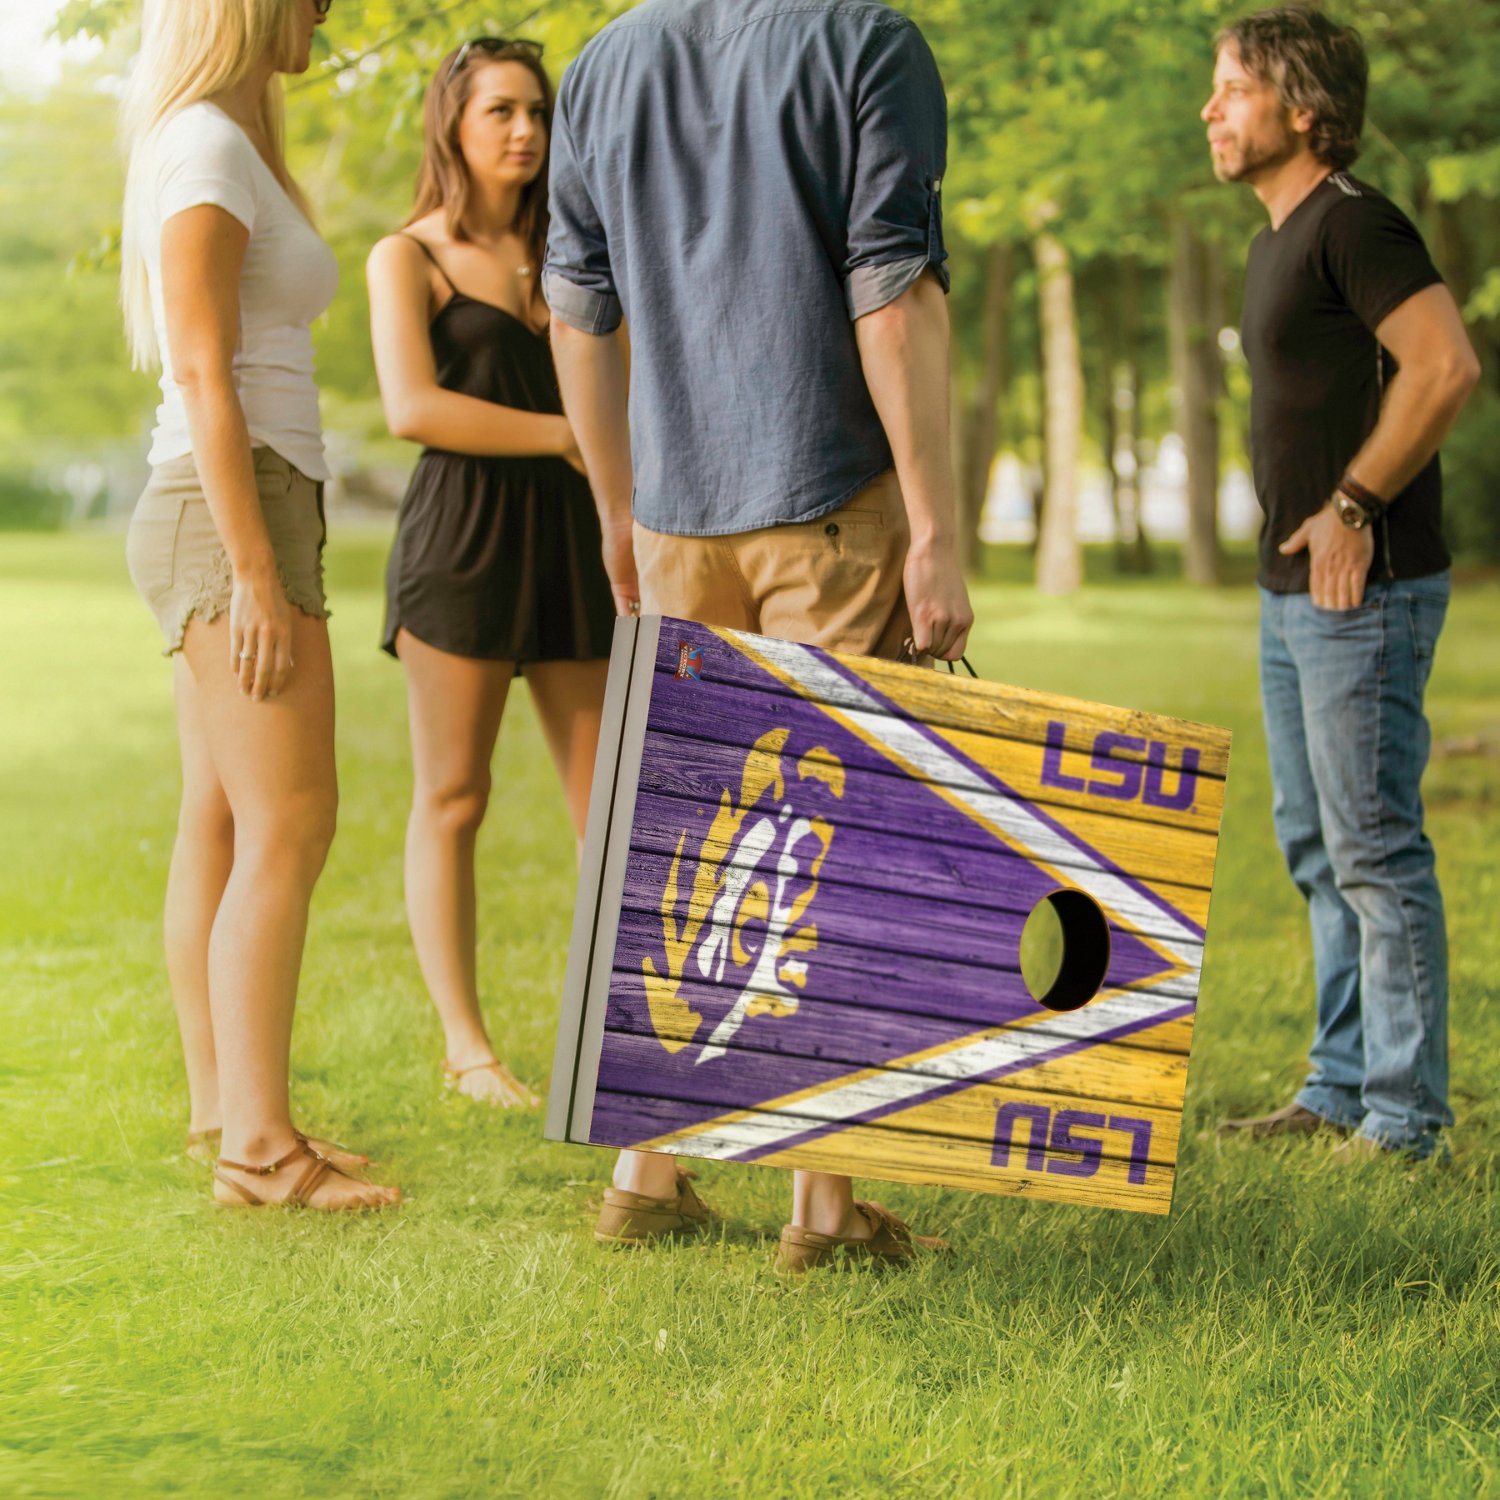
[(452, 1076), (633, 1218), (203, 1148), (318, 1167), (890, 1242)]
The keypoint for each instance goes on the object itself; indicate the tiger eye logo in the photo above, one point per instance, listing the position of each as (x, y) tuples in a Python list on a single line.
[(746, 927)]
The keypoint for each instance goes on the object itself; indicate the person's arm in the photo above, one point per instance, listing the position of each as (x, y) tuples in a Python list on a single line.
[(895, 277), (417, 408), (202, 252), (903, 348), (1437, 371), (588, 345), (591, 370)]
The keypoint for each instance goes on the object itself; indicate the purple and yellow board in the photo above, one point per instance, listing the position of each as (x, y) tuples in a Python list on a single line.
[(797, 939)]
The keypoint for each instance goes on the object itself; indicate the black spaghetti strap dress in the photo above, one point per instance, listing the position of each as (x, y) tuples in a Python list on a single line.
[(497, 558)]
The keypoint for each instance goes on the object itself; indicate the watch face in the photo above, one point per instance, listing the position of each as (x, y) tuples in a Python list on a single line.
[(1352, 513)]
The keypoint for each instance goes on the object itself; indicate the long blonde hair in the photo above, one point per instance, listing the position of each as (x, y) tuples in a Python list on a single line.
[(192, 50)]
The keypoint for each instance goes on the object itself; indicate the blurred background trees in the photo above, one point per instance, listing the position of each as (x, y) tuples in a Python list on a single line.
[(1099, 391)]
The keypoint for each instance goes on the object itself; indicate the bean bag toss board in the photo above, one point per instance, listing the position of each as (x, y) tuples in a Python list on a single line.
[(798, 935)]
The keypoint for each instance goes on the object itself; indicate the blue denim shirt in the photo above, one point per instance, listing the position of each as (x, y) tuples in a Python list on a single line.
[(743, 179)]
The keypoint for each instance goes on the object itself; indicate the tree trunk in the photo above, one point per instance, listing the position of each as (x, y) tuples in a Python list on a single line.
[(1059, 560), (1453, 229), (1036, 473), (1194, 310), (1451, 250), (983, 429), (960, 445), (1109, 442), (1137, 544), (1105, 377)]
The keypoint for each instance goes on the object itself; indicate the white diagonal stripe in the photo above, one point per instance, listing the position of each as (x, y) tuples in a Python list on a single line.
[(758, 1130), (1012, 817)]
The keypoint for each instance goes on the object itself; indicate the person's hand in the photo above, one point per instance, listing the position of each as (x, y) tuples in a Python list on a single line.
[(619, 563), (938, 601), (570, 454), (260, 634), (1339, 557)]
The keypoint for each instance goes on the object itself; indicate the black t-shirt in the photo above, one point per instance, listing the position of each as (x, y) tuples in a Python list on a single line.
[(1315, 290)]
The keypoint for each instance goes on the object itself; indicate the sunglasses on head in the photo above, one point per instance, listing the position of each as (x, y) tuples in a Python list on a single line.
[(487, 46)]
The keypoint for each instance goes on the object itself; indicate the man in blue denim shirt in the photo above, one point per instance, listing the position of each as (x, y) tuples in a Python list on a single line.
[(1359, 364), (754, 186)]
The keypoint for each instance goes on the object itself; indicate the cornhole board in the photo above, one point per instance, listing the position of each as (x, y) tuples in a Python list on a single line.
[(804, 883)]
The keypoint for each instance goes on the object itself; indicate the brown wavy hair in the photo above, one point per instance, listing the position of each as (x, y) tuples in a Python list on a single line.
[(443, 178), (1314, 64)]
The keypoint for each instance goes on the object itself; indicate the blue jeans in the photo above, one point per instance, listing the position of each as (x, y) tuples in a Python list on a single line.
[(1342, 693)]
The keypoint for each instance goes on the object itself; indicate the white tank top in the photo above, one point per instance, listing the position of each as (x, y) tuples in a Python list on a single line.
[(199, 155)]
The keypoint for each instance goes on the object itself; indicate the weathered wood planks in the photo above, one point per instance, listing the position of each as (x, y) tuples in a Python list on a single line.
[(800, 916)]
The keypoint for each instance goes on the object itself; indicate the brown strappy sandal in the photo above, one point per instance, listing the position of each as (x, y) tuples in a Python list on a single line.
[(890, 1243), (203, 1148), (318, 1167), (452, 1075)]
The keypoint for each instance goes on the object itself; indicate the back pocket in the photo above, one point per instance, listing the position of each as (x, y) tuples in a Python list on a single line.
[(151, 544)]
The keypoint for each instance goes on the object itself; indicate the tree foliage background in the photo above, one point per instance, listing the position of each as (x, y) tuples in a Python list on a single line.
[(1095, 259)]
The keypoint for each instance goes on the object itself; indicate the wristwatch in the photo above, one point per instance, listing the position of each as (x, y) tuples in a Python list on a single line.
[(1357, 506)]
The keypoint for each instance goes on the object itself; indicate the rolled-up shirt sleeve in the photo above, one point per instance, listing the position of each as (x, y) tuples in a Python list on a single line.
[(576, 277), (901, 151)]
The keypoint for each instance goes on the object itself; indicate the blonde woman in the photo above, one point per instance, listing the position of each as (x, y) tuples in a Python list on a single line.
[(497, 567), (223, 274)]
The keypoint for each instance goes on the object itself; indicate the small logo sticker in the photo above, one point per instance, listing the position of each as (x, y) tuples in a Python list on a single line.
[(689, 662)]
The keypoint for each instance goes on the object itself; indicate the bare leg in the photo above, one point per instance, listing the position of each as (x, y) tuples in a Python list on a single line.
[(454, 704), (825, 1202), (201, 858), (274, 761), (569, 698)]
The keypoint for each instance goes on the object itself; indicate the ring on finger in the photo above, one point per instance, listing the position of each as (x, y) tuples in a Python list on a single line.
[(247, 654)]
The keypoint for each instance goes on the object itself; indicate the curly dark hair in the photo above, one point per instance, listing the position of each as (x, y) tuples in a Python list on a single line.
[(1314, 64)]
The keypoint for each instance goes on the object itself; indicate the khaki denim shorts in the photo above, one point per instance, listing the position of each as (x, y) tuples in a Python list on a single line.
[(833, 582), (178, 564)]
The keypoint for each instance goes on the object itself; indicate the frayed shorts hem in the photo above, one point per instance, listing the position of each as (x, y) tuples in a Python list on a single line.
[(179, 565)]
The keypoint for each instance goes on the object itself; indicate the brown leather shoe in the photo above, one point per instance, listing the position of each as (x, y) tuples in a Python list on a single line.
[(634, 1218), (1290, 1119), (889, 1243)]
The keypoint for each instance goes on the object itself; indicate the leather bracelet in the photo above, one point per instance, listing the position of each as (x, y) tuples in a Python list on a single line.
[(1361, 496)]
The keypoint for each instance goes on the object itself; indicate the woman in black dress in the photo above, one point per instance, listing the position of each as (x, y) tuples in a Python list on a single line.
[(496, 567)]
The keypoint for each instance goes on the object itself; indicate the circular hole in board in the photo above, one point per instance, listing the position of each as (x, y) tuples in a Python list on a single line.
[(1065, 950)]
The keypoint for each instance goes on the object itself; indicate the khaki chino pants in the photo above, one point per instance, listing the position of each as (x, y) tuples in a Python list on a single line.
[(834, 582)]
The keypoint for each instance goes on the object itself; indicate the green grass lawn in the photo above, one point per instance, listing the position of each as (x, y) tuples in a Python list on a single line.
[(1289, 1330)]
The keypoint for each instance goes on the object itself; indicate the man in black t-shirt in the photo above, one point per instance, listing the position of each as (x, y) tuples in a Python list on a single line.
[(1359, 363)]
